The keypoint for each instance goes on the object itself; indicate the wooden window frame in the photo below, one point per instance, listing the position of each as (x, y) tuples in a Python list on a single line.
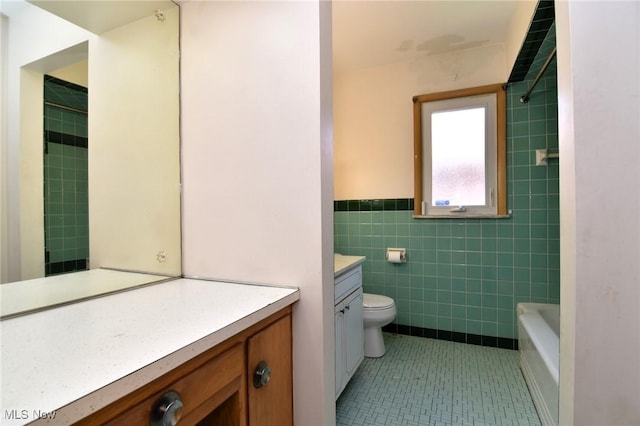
[(501, 145)]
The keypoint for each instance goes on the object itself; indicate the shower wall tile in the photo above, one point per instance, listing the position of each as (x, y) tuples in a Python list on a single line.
[(66, 179)]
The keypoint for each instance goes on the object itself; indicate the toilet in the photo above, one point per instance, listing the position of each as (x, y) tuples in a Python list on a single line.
[(377, 311)]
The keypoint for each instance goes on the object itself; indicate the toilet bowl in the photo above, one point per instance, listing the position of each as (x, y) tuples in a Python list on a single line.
[(377, 311)]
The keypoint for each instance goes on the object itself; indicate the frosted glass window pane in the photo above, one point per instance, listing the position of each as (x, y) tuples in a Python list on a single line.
[(457, 156)]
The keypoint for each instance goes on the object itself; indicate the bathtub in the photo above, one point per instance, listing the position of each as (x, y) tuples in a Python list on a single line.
[(539, 346)]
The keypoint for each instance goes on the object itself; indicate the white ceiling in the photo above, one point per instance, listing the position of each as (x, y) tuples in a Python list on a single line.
[(99, 16), (370, 32), (365, 32)]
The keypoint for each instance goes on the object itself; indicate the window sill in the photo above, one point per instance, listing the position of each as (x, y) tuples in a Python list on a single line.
[(464, 216)]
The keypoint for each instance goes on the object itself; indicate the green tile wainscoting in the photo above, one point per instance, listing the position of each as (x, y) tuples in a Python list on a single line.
[(464, 277)]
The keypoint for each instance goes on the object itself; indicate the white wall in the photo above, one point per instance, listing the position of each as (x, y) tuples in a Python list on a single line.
[(134, 138), (77, 73), (257, 165), (4, 240), (599, 90), (30, 47), (373, 116)]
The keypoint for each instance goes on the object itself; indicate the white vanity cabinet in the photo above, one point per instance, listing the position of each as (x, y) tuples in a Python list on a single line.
[(349, 332)]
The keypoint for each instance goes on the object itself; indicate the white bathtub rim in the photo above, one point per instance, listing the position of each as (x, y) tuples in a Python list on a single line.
[(524, 307), (545, 341), (544, 338)]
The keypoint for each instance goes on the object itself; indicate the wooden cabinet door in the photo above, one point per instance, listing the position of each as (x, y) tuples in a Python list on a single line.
[(271, 404)]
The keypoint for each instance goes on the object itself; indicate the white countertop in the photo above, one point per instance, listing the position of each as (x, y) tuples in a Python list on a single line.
[(32, 295), (78, 358), (342, 263)]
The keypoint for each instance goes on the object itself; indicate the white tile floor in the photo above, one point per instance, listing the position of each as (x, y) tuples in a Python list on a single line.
[(423, 381)]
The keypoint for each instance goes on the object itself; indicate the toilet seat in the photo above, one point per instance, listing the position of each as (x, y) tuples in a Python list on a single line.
[(376, 302)]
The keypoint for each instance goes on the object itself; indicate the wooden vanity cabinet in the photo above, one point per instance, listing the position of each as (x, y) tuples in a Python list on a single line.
[(271, 404), (216, 387)]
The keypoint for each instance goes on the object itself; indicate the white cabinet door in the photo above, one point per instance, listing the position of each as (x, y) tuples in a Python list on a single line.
[(354, 332), (349, 332), (349, 338), (339, 321)]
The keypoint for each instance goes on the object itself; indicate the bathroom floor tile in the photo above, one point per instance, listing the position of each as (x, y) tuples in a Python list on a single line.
[(422, 381)]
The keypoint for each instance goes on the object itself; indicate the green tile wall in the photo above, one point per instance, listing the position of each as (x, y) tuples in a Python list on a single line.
[(65, 191), (467, 275)]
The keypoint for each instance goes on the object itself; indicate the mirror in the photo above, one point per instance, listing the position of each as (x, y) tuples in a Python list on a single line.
[(126, 54)]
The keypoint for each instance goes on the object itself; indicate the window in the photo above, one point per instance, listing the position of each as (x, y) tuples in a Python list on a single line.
[(460, 153)]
